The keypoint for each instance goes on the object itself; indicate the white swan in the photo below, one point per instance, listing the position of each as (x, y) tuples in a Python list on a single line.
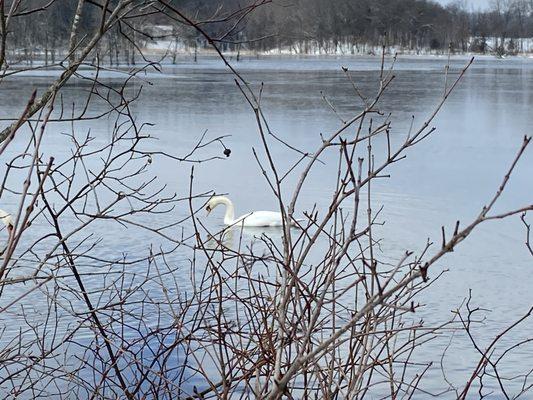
[(254, 218), (5, 217)]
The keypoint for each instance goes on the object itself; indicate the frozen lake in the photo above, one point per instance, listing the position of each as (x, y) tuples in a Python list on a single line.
[(446, 178)]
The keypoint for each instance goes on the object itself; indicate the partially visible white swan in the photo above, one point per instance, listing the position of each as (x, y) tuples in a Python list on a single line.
[(254, 218), (5, 217)]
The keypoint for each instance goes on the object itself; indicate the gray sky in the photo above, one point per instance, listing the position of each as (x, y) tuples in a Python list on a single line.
[(475, 4)]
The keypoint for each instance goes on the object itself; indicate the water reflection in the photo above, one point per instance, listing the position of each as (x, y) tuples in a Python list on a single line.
[(234, 237)]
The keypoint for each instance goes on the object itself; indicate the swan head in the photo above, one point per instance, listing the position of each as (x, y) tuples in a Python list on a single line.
[(215, 201), (211, 204)]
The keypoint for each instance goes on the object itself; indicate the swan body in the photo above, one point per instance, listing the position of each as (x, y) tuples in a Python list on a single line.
[(254, 218)]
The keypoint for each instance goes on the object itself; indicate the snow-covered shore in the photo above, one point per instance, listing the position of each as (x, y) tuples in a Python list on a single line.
[(522, 47)]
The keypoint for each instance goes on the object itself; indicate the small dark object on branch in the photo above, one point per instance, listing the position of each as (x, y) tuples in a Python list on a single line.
[(227, 152)]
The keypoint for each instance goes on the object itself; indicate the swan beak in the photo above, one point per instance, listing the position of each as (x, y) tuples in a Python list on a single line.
[(208, 209)]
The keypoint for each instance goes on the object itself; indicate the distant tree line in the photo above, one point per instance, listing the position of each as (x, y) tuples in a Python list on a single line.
[(303, 26), (409, 24)]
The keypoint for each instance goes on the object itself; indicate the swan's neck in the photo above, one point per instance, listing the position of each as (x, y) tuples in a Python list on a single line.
[(229, 217)]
